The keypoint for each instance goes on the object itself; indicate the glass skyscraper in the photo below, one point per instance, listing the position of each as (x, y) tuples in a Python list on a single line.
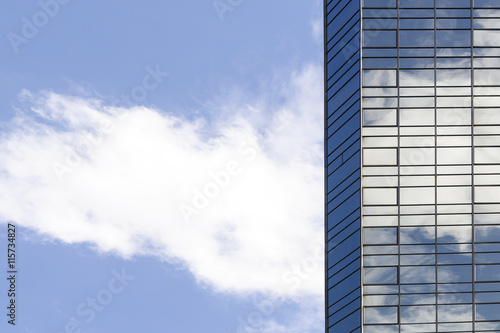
[(412, 155)]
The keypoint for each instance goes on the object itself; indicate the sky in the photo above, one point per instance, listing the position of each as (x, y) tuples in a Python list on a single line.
[(162, 163)]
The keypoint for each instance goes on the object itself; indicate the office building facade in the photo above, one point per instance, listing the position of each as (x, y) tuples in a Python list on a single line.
[(412, 160)]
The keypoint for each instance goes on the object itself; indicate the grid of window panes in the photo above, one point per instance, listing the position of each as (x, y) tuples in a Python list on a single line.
[(343, 166), (431, 165)]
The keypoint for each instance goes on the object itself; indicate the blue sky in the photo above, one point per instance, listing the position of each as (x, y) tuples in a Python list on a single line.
[(162, 162)]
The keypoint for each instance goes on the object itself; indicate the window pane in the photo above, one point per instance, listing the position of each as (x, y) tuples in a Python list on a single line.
[(487, 272), (454, 195), (380, 236), (379, 117), (382, 196), (487, 194), (486, 77), (416, 13), (488, 312), (418, 274), (380, 261), (455, 234), (381, 102), (376, 78), (422, 117), (415, 195), (454, 274), (416, 24), (453, 24), (379, 156), (487, 155), (490, 297), (418, 259), (380, 3), (452, 38), (416, 77), (453, 77), (381, 315), (450, 313), (454, 298), (381, 300), (418, 299), (453, 3), (417, 156), (379, 38), (461, 258), (418, 314), (381, 275), (486, 37), (417, 235), (416, 38), (416, 3), (486, 24), (454, 155)]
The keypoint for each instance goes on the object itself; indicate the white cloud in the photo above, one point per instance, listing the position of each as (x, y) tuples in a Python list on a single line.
[(79, 170)]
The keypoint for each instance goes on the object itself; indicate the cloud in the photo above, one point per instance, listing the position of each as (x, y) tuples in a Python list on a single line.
[(237, 201)]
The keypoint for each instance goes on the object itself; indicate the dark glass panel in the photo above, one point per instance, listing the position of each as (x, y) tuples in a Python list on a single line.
[(345, 310), (347, 324)]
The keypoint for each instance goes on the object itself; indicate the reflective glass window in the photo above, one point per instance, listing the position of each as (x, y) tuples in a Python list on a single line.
[(452, 38), (457, 273), (379, 3), (380, 235), (381, 275), (453, 3), (381, 315), (417, 235), (379, 38), (377, 78), (416, 24), (451, 313), (453, 77), (487, 272), (416, 38), (416, 77), (488, 312), (418, 314)]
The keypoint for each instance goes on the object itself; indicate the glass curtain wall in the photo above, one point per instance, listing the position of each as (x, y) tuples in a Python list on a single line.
[(413, 165), (431, 165)]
